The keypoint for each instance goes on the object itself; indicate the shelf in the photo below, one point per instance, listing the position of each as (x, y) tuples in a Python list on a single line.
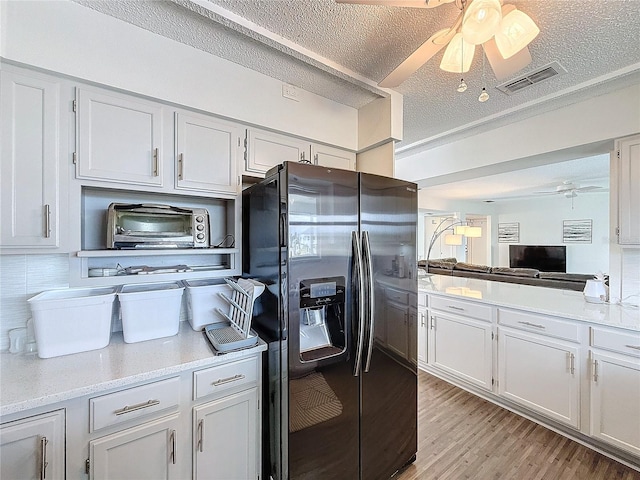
[(155, 252)]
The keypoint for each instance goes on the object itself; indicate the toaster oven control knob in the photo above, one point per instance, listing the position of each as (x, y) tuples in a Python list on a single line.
[(200, 236), (199, 218), (200, 227)]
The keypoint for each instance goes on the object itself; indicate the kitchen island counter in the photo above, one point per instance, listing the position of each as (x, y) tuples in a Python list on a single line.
[(27, 381), (548, 301)]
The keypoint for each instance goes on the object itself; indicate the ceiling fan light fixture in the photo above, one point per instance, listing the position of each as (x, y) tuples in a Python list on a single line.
[(458, 51), (516, 31), (481, 21)]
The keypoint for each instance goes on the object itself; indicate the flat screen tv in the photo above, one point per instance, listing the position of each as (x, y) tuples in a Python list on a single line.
[(546, 258)]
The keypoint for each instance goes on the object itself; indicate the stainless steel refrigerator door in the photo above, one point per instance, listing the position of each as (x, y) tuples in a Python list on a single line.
[(323, 393), (389, 380)]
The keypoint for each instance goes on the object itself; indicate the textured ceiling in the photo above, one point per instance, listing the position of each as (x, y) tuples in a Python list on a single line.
[(341, 51)]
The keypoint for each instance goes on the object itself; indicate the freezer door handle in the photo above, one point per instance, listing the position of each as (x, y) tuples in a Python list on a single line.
[(368, 264), (357, 257)]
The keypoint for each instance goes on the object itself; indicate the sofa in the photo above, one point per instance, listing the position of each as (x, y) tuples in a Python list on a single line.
[(523, 276)]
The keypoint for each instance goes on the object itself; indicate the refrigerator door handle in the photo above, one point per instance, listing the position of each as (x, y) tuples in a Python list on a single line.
[(357, 256), (368, 263)]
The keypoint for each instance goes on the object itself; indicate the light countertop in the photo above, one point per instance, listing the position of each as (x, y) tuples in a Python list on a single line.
[(548, 301), (27, 381)]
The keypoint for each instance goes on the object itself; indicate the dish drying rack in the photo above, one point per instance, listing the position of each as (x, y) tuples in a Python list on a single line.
[(236, 333)]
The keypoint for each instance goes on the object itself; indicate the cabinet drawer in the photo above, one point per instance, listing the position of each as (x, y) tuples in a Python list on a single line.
[(225, 377), (397, 296), (539, 324), (468, 309), (125, 405), (627, 343)]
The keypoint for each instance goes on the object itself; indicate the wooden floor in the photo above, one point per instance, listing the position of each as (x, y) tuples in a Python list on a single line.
[(461, 436)]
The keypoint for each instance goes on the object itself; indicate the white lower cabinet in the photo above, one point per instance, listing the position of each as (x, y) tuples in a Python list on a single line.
[(33, 448), (146, 451), (226, 437), (615, 388), (540, 374), (462, 347)]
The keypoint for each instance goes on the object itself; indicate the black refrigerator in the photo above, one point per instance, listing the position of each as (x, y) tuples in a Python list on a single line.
[(337, 252)]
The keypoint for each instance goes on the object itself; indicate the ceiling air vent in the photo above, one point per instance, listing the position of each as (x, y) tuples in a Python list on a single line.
[(544, 73)]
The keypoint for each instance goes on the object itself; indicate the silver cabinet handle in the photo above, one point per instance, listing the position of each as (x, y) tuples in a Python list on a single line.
[(200, 444), (460, 309), (635, 347), (139, 406), (422, 319), (595, 370), (572, 363), (315, 159), (47, 221), (155, 162), (222, 381), (43, 457), (181, 166), (535, 325), (172, 454), (433, 322)]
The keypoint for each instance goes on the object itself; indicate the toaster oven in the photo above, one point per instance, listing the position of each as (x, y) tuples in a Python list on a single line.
[(156, 226)]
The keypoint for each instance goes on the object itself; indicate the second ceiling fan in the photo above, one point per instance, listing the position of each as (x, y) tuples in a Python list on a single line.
[(503, 31)]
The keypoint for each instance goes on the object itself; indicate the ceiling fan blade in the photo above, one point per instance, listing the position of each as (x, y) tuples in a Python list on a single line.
[(587, 188), (398, 3), (505, 68), (418, 58)]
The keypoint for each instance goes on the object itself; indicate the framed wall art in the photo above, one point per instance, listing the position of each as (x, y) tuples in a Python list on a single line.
[(509, 232), (577, 231)]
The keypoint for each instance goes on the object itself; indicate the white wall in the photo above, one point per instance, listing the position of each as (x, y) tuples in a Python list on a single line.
[(68, 38), (541, 220)]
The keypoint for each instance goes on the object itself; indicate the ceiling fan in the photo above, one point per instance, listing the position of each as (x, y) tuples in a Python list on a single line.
[(569, 189), (503, 31)]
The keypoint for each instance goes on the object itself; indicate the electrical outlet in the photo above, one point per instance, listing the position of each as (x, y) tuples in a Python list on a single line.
[(290, 91)]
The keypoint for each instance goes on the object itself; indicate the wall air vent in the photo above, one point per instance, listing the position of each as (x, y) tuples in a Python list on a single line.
[(544, 73)]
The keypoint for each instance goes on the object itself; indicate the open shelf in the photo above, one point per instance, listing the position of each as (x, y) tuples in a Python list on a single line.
[(152, 252)]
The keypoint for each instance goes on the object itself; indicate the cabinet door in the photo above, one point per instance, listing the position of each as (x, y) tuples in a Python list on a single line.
[(29, 165), (629, 191), (33, 448), (119, 138), (266, 150), (333, 157), (461, 347), (206, 154), (615, 401), (540, 374), (422, 337), (147, 451), (226, 438), (398, 337)]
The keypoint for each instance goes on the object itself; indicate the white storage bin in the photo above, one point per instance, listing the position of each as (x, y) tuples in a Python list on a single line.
[(150, 310), (203, 297), (72, 320)]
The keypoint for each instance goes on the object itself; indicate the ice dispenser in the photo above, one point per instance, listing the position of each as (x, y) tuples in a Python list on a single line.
[(322, 306)]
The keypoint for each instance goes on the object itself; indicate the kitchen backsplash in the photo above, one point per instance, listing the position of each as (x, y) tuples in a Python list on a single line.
[(22, 277), (630, 280)]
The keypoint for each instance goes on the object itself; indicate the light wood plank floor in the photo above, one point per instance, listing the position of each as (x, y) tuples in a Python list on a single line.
[(461, 436)]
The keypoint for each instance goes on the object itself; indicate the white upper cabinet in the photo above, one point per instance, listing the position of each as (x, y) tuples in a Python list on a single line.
[(265, 150), (629, 190), (119, 138), (333, 157), (206, 154), (29, 167)]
